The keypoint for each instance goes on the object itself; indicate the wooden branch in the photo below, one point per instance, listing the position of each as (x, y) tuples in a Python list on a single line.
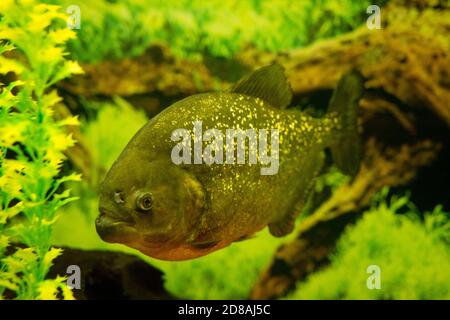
[(155, 71)]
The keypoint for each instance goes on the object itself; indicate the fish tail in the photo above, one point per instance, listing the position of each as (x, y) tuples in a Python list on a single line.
[(346, 150)]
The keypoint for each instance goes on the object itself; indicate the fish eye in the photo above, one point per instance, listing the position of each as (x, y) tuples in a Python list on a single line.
[(144, 201)]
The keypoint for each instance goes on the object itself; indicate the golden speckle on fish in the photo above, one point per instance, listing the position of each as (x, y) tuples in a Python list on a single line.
[(199, 208)]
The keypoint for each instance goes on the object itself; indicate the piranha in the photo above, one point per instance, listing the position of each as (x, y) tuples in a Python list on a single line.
[(182, 211)]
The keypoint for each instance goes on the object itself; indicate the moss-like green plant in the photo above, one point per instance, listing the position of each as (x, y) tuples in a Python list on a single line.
[(32, 143), (192, 28), (412, 253)]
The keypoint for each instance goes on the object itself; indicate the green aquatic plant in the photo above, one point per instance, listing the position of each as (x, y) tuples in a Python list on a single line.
[(411, 251), (192, 28), (32, 145)]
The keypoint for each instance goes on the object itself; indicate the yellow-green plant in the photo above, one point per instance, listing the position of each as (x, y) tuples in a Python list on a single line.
[(32, 142)]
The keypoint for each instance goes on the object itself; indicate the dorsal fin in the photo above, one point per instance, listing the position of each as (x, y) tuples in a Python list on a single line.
[(268, 83)]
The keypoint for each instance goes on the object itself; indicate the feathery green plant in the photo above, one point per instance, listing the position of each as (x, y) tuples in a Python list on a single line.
[(32, 143)]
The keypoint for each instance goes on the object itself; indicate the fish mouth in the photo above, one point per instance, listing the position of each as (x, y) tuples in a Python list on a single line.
[(111, 228)]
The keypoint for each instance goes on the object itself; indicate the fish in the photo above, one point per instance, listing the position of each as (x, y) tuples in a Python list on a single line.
[(185, 210)]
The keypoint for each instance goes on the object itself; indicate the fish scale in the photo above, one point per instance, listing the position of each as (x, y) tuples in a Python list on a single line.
[(200, 208)]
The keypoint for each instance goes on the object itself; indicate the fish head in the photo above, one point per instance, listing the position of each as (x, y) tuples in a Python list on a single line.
[(151, 206)]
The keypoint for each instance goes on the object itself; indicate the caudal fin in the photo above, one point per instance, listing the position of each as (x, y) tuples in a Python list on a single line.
[(346, 150)]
